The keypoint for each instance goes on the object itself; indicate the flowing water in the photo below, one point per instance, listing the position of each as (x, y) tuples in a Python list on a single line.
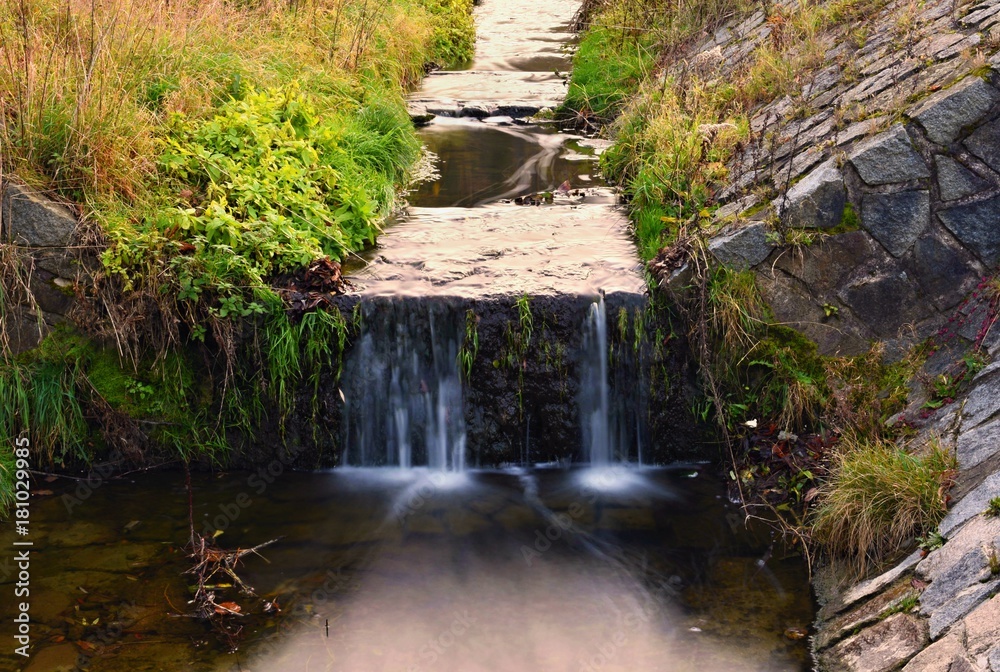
[(409, 558)]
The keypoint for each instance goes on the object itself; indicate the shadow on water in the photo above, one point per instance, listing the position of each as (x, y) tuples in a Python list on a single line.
[(402, 570), (483, 162)]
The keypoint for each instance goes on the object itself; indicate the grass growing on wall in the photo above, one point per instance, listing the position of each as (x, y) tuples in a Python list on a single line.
[(878, 497), (677, 118)]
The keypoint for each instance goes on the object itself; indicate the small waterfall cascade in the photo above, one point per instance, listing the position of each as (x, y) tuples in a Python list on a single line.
[(595, 413), (613, 395), (403, 396)]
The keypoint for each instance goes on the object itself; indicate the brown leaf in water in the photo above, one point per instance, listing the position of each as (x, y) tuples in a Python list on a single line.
[(228, 607)]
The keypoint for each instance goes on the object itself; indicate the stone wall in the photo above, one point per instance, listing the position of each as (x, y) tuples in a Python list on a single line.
[(885, 160), (955, 624), (867, 202), (45, 266)]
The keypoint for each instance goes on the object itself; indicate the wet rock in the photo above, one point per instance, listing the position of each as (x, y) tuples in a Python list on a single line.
[(985, 143), (982, 404), (880, 648), (745, 247), (944, 616), (971, 505), (31, 219), (982, 627), (955, 180), (866, 614), (53, 295), (794, 306), (938, 656), (947, 112), (888, 157), (824, 264), (872, 586), (979, 444), (944, 270), (885, 300), (977, 226), (896, 220), (959, 573), (736, 207), (421, 119), (816, 201)]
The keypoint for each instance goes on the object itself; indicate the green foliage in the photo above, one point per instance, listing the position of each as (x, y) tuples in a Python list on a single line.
[(877, 498), (7, 470), (518, 340), (759, 369), (904, 606), (606, 72), (40, 397), (931, 542), (470, 344), (453, 42), (865, 391), (993, 509), (271, 186)]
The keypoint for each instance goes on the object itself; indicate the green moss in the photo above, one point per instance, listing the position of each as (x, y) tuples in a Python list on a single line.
[(849, 221)]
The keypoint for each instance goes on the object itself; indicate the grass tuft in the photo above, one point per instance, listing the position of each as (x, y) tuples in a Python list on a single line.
[(879, 498)]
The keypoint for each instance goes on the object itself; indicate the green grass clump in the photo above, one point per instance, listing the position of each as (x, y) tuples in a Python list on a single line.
[(993, 509), (878, 498), (7, 469), (606, 72), (756, 369)]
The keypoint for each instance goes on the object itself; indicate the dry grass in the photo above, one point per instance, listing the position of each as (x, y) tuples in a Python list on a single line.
[(85, 87), (878, 499)]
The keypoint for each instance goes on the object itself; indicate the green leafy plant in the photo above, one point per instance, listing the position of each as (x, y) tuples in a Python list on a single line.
[(931, 542), (470, 344), (993, 508), (904, 606)]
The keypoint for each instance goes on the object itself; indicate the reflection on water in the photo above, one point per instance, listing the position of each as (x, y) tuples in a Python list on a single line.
[(527, 569), (480, 162)]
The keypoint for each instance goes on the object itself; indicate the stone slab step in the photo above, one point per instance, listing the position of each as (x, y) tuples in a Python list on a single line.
[(580, 245), (483, 94)]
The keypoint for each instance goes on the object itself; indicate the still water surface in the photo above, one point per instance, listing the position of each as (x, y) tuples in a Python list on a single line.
[(398, 570)]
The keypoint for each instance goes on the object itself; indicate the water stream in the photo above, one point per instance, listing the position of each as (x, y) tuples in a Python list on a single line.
[(409, 557)]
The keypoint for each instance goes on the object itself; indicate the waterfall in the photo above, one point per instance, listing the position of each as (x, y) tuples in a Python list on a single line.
[(594, 390), (614, 383), (404, 401)]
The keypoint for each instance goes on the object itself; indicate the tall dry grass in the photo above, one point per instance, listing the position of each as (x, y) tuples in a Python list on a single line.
[(85, 86), (878, 498)]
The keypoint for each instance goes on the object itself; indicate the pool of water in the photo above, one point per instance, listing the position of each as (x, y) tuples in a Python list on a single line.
[(482, 162), (402, 570)]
